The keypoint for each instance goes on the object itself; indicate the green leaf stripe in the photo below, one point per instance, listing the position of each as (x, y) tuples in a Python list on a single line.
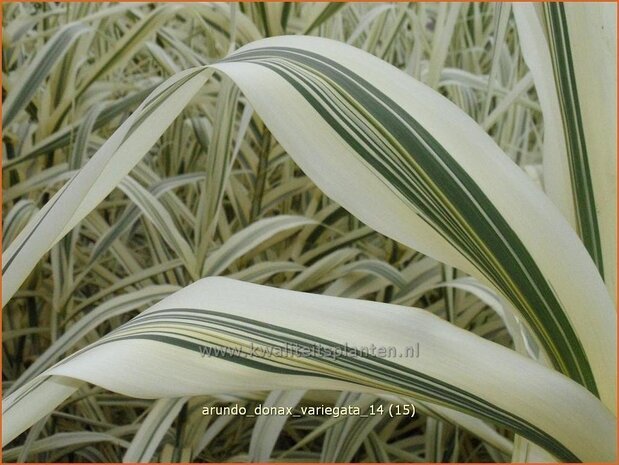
[(577, 156)]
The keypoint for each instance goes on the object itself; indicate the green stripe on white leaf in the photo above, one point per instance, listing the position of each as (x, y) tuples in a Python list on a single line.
[(79, 152), (377, 268), (537, 57), (455, 368), (322, 270), (572, 56), (323, 12), (42, 180), (592, 34), (573, 130), (47, 391)]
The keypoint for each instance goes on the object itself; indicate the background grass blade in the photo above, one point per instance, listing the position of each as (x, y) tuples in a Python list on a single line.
[(103, 172), (39, 69)]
